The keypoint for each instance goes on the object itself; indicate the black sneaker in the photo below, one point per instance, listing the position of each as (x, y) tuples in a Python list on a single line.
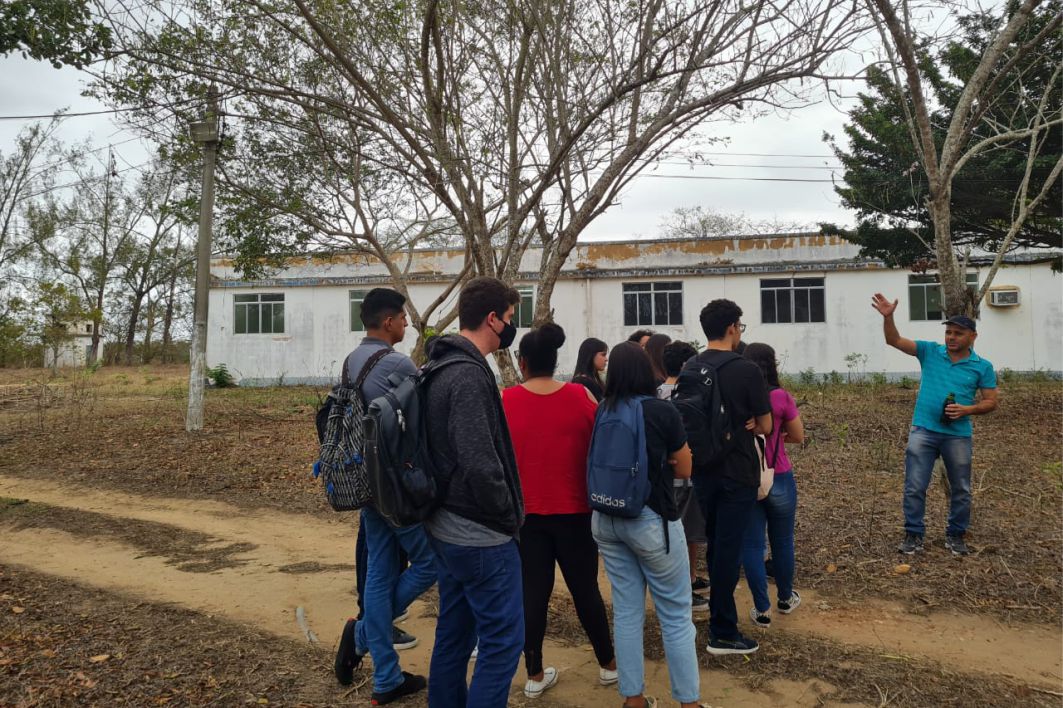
[(788, 606), (411, 683), (957, 545), (761, 619), (738, 645), (699, 604), (700, 586), (347, 657), (912, 544), (402, 640)]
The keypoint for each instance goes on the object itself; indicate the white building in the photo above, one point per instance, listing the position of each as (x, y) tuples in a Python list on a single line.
[(808, 295), (73, 352)]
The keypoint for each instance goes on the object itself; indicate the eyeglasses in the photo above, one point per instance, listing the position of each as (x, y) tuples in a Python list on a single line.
[(741, 327)]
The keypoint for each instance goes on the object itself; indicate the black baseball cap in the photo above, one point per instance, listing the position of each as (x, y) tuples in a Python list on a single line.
[(962, 321)]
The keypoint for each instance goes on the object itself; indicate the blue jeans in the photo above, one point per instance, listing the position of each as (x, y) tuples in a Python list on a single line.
[(389, 592), (726, 506), (777, 512), (634, 555), (479, 596), (924, 447)]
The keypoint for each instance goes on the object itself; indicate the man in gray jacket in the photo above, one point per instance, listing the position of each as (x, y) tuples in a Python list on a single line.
[(474, 531)]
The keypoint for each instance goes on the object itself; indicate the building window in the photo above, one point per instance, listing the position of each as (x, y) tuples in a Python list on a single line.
[(88, 328), (925, 298), (785, 300), (653, 304), (522, 316), (261, 313), (357, 296)]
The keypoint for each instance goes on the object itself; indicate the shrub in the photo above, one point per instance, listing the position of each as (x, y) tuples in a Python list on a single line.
[(220, 376)]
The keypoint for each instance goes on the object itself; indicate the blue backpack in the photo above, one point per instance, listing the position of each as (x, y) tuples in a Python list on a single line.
[(618, 481)]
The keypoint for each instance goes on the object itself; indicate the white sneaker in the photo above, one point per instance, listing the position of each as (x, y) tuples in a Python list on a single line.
[(607, 677), (534, 689)]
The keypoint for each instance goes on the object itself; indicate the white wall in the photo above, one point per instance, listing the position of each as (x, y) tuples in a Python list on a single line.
[(72, 353), (318, 336), (588, 301)]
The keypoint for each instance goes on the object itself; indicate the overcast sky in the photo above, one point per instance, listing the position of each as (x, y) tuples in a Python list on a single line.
[(767, 148)]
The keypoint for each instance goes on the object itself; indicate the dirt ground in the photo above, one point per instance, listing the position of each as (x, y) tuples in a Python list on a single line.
[(184, 560)]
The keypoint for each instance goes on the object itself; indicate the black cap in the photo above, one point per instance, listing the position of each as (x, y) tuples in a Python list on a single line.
[(962, 321)]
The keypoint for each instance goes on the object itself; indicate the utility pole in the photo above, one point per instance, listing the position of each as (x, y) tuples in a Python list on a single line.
[(206, 133)]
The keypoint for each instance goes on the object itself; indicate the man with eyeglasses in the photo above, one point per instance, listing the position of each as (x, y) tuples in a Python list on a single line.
[(727, 487)]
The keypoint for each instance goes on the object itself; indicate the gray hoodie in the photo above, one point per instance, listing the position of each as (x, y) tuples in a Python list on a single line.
[(470, 444)]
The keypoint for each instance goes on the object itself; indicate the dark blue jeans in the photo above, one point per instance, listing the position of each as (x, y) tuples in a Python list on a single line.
[(777, 512), (389, 590), (361, 566), (726, 506), (480, 596), (924, 447)]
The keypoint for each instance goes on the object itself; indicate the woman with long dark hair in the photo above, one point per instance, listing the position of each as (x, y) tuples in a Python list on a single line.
[(650, 549), (655, 349), (590, 363), (550, 423), (778, 510)]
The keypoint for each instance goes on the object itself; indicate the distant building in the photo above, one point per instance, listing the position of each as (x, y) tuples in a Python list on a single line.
[(808, 295), (75, 351)]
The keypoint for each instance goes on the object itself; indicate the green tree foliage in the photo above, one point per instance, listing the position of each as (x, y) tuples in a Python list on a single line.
[(59, 312), (58, 31), (885, 183), (18, 345)]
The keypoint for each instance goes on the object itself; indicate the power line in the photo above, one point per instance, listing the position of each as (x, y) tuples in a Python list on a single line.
[(754, 154), (774, 167), (747, 179), (69, 115), (97, 178)]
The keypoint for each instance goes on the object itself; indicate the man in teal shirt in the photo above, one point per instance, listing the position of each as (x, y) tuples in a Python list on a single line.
[(955, 384)]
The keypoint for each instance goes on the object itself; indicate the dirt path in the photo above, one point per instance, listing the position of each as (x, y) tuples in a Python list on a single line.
[(287, 561)]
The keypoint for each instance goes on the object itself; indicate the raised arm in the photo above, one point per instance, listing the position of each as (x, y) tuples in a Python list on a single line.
[(889, 327)]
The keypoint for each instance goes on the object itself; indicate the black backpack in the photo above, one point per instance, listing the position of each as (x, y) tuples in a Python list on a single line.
[(706, 417), (340, 430), (402, 474)]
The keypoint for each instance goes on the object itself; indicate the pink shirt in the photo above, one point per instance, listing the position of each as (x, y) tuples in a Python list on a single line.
[(783, 409)]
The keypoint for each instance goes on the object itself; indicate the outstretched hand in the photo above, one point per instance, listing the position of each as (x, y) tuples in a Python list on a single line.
[(884, 306)]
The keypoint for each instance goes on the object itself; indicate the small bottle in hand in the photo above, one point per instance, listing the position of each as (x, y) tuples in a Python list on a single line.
[(949, 400)]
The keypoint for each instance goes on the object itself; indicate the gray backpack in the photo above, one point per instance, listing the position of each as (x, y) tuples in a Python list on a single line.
[(407, 487), (340, 429)]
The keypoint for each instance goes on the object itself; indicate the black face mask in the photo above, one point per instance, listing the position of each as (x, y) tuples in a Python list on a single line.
[(507, 335)]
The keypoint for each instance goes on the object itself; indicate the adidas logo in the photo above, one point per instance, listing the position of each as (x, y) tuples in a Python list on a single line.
[(608, 501)]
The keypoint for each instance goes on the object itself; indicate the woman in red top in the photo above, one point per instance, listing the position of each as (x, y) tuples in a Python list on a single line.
[(550, 423)]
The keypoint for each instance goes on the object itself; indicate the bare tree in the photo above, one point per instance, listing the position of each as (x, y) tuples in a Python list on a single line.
[(523, 121), (23, 177), (155, 257), (1024, 38), (698, 223)]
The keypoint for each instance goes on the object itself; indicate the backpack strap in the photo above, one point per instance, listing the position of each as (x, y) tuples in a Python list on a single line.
[(366, 368)]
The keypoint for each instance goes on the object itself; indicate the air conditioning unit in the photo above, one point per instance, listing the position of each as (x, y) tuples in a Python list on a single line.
[(1004, 296)]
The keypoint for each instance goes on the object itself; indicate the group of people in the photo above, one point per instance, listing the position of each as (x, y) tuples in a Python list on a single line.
[(515, 501)]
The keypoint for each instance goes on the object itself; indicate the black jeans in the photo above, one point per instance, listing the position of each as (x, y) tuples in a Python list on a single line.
[(726, 506), (565, 539), (361, 566)]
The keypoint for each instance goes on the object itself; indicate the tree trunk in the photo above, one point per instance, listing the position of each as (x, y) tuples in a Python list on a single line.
[(953, 278), (131, 328), (149, 329), (97, 326), (167, 322)]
